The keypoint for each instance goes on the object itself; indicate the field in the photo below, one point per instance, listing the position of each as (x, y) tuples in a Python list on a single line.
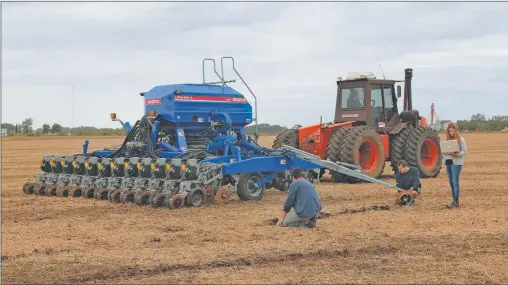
[(59, 240)]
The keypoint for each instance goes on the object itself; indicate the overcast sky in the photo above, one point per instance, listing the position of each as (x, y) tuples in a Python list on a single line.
[(289, 53)]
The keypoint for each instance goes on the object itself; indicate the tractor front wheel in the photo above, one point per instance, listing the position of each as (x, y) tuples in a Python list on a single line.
[(362, 146)]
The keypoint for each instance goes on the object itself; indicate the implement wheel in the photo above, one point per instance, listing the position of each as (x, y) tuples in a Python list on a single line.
[(115, 196), (223, 196), (89, 192), (143, 198), (137, 193), (101, 194), (423, 152), (246, 190), (405, 198), (195, 198), (51, 190), (40, 189), (158, 200), (75, 191), (29, 188), (363, 146), (176, 202), (127, 197), (63, 191)]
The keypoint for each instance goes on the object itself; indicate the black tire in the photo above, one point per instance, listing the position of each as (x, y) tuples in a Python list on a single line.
[(158, 200), (332, 151), (398, 144), (137, 196), (195, 198), (28, 188), (115, 196), (127, 197), (351, 146), (88, 192), (422, 140), (288, 137), (243, 189), (142, 198)]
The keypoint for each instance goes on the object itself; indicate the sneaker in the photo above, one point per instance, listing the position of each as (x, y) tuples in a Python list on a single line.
[(452, 205), (312, 222)]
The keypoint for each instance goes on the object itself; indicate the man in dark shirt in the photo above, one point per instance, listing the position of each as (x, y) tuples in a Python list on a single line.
[(304, 200), (407, 178)]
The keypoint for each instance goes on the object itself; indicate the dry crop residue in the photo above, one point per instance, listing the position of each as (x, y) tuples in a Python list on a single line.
[(57, 240)]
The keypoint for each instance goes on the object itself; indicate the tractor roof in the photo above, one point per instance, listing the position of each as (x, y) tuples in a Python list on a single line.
[(368, 80), (191, 89), (364, 77)]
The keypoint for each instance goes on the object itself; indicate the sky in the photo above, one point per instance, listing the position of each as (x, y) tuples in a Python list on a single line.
[(290, 54)]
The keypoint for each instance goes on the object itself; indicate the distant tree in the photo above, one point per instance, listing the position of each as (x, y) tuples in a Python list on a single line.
[(46, 129), (478, 117), (56, 128), (26, 126), (9, 127)]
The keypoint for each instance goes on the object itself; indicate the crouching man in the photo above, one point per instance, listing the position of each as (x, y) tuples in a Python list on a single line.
[(408, 178), (304, 200)]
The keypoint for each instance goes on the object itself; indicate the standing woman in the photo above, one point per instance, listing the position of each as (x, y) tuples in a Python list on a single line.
[(454, 162)]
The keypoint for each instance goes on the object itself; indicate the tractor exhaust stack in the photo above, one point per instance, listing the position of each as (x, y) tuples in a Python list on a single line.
[(408, 98)]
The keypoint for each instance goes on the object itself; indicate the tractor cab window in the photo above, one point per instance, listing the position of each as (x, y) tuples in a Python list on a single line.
[(389, 98), (353, 97), (376, 106)]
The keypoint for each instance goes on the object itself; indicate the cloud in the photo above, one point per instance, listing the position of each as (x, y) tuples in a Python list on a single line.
[(289, 53)]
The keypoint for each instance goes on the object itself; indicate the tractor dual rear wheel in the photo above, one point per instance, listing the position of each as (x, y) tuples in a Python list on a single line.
[(398, 143), (288, 137), (423, 152), (333, 150), (364, 147)]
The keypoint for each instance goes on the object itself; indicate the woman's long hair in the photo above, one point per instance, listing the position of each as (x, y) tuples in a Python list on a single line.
[(456, 129)]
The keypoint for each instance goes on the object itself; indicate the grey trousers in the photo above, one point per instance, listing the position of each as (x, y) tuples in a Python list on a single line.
[(292, 220)]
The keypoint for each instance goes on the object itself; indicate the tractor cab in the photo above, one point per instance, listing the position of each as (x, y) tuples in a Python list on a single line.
[(366, 100)]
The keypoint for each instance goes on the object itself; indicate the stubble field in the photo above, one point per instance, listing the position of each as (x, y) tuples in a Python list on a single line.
[(60, 240)]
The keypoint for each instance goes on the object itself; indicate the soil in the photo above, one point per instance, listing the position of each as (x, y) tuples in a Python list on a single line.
[(366, 238)]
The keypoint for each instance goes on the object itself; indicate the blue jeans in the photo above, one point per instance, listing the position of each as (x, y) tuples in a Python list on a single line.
[(453, 172)]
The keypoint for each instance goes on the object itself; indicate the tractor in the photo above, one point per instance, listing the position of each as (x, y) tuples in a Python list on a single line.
[(368, 130)]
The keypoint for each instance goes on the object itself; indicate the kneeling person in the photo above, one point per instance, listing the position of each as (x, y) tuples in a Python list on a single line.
[(408, 178), (304, 201)]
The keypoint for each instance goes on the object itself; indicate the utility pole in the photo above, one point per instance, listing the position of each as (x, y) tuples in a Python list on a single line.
[(432, 113), (72, 108)]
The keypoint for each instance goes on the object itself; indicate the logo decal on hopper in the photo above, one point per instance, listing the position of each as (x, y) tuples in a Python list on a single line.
[(209, 98), (152, 101)]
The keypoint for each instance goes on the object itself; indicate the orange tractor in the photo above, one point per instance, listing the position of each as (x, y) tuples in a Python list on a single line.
[(368, 130)]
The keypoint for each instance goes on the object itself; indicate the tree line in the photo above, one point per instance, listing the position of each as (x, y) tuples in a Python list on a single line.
[(26, 128), (476, 122), (265, 129), (483, 123)]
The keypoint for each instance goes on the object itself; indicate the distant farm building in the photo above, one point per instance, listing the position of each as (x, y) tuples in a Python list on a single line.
[(4, 132)]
